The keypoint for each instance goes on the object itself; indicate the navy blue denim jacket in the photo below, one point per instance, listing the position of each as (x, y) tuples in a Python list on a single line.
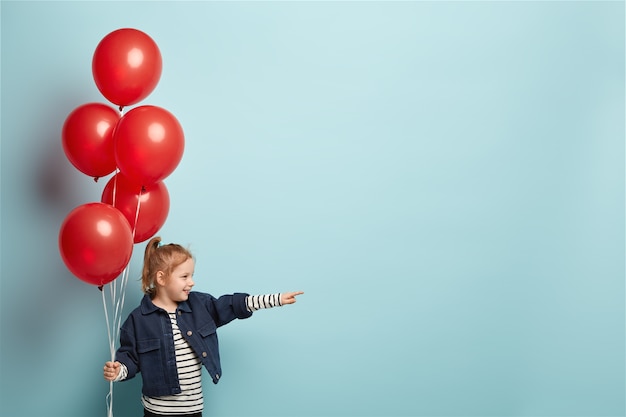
[(147, 342)]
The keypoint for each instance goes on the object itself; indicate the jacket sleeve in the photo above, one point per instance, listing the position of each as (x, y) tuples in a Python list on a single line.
[(127, 352), (227, 308)]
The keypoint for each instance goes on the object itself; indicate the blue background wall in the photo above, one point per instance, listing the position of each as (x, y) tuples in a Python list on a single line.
[(444, 180)]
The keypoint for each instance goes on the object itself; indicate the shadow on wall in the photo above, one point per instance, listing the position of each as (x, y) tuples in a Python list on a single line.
[(59, 184), (57, 187), (60, 187), (49, 317)]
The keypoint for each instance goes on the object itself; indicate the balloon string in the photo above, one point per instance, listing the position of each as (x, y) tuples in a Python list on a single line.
[(109, 397), (109, 400), (113, 197), (137, 211), (117, 291)]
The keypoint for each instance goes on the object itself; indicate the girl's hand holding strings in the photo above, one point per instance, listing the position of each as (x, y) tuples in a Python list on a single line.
[(111, 370)]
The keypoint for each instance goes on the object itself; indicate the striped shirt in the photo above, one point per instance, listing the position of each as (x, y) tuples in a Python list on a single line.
[(191, 400)]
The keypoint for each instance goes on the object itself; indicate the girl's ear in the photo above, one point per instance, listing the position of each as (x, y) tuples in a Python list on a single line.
[(160, 278)]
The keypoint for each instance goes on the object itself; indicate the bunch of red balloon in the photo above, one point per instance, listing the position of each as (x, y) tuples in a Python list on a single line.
[(142, 147)]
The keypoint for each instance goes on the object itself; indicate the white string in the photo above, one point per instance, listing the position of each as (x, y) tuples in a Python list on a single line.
[(113, 316), (109, 397), (117, 291)]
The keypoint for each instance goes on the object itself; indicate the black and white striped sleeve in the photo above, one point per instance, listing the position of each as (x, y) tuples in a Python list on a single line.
[(123, 373), (257, 302)]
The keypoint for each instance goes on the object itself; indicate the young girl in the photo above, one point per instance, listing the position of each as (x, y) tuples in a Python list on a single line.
[(172, 333)]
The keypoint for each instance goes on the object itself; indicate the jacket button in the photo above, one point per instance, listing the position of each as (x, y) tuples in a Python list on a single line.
[(204, 355), (180, 313), (217, 376), (189, 333)]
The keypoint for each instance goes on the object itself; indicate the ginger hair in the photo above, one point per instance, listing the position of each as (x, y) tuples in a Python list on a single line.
[(163, 258)]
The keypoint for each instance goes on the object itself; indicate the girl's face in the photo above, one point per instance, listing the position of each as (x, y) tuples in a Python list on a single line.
[(176, 288)]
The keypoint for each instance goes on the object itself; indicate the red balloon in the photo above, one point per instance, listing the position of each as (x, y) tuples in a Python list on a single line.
[(149, 207), (87, 138), (148, 144), (96, 243), (126, 66)]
